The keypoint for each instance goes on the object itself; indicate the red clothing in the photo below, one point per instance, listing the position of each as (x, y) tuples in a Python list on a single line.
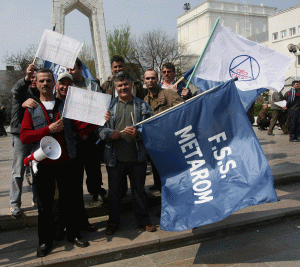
[(29, 135)]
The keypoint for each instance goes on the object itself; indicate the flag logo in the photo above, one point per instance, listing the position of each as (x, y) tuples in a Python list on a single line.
[(245, 68)]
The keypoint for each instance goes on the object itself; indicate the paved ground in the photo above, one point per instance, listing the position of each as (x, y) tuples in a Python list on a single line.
[(18, 247), (272, 246)]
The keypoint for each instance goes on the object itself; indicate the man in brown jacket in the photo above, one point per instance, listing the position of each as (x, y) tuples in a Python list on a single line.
[(117, 65), (263, 119), (159, 100)]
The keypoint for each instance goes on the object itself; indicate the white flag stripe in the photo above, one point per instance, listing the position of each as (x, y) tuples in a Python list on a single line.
[(230, 55)]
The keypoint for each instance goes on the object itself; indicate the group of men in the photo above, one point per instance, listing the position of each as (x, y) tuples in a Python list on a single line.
[(37, 113), (287, 116)]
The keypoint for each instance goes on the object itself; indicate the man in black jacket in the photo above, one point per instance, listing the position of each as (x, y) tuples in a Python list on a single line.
[(25, 95)]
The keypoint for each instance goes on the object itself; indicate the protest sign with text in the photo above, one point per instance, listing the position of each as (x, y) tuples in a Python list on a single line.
[(58, 48), (85, 105), (209, 160)]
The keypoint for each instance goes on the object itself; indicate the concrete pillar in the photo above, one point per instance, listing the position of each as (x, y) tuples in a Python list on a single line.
[(93, 9)]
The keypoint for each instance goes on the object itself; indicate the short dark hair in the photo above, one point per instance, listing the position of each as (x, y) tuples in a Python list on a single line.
[(156, 74), (78, 63), (169, 65), (117, 58), (295, 82), (44, 70), (122, 76)]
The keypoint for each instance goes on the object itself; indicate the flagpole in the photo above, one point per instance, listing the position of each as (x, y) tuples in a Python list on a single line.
[(200, 58)]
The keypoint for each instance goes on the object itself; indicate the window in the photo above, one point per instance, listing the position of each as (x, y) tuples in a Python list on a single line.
[(292, 31), (275, 36), (283, 34)]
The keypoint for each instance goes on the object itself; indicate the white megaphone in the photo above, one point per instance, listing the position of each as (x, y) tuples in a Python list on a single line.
[(49, 148)]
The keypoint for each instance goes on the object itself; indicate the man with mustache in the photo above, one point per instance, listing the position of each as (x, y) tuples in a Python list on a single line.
[(46, 120)]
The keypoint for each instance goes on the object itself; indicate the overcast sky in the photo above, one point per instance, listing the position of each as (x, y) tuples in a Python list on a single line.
[(24, 21)]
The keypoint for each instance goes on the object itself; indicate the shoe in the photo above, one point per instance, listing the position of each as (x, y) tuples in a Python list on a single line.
[(90, 228), (15, 211), (154, 188), (294, 140), (43, 250), (79, 242), (149, 227), (110, 230), (34, 204), (271, 133)]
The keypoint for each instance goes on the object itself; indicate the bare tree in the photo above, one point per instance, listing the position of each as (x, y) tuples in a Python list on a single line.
[(21, 59), (156, 47)]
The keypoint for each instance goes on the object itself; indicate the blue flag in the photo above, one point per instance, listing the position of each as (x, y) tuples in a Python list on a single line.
[(209, 160), (58, 69), (247, 97)]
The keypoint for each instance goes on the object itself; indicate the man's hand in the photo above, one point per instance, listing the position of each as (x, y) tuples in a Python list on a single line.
[(57, 126), (29, 72), (184, 93), (115, 135), (132, 131), (30, 103), (107, 116)]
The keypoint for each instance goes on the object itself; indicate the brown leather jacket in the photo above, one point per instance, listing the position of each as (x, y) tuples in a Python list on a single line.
[(164, 99)]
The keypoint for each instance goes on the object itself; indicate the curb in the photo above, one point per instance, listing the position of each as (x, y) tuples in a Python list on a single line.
[(197, 235)]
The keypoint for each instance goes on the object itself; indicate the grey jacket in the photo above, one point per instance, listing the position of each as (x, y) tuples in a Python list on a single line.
[(142, 111), (21, 92)]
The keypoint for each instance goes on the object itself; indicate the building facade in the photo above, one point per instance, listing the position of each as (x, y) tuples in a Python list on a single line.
[(195, 26)]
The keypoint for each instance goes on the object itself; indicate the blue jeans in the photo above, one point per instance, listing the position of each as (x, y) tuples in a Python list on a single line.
[(20, 152), (137, 176)]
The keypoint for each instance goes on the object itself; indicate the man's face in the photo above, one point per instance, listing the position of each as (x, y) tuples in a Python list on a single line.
[(124, 89), (116, 67), (75, 72), (150, 80), (168, 75), (297, 85), (45, 83), (62, 87), (32, 80)]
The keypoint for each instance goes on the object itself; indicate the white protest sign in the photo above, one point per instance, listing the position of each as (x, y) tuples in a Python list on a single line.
[(85, 105), (281, 103), (58, 48)]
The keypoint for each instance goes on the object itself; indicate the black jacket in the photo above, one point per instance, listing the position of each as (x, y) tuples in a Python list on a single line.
[(21, 92)]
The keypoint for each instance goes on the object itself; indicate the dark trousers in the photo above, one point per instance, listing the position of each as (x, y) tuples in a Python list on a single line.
[(137, 176), (294, 123), (91, 156), (264, 123), (69, 186), (278, 115), (156, 176), (2, 129)]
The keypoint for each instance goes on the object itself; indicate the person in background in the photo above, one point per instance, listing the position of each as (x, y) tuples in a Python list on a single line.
[(263, 119), (278, 113)]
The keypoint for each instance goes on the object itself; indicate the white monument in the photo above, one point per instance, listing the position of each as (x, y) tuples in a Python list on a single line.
[(93, 9)]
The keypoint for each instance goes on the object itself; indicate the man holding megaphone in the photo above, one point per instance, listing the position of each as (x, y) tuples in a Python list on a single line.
[(45, 120)]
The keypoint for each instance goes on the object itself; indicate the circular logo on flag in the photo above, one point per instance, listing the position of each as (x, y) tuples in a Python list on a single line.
[(245, 68)]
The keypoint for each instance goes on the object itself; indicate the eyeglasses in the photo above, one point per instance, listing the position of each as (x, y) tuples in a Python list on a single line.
[(167, 71)]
